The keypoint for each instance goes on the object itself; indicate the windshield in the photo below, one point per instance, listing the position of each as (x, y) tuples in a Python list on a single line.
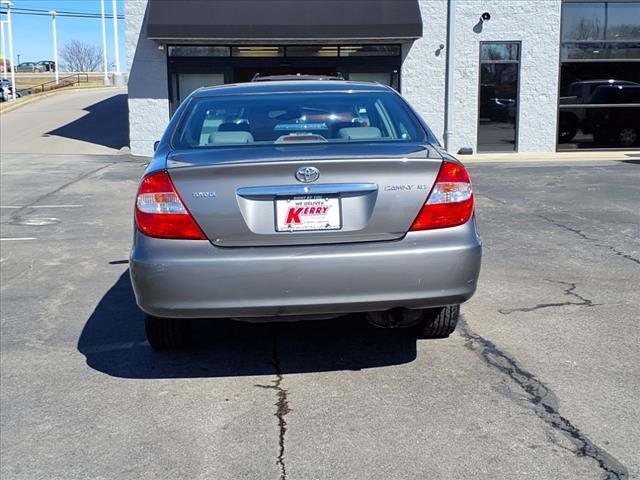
[(295, 118)]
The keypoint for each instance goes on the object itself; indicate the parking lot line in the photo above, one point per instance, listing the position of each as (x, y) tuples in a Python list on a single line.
[(17, 239)]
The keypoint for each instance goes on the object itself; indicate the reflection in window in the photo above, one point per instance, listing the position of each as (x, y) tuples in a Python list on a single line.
[(583, 21), (623, 21), (499, 51)]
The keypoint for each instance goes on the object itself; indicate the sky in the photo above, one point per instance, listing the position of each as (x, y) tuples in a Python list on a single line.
[(32, 37)]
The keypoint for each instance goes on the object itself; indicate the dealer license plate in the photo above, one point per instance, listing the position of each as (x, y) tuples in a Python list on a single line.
[(308, 213)]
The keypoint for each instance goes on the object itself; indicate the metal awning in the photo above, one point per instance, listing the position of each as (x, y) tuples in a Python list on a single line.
[(283, 19)]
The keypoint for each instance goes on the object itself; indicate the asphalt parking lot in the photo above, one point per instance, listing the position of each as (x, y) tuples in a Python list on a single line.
[(541, 380)]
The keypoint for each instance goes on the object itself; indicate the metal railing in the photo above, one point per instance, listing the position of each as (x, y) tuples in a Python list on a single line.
[(67, 81)]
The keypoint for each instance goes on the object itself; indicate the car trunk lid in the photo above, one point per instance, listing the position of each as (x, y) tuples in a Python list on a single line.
[(251, 197)]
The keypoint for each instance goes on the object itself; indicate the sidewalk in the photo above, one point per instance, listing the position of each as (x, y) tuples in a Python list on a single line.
[(550, 156)]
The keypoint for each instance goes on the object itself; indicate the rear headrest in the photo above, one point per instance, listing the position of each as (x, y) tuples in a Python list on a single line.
[(232, 138), (359, 133)]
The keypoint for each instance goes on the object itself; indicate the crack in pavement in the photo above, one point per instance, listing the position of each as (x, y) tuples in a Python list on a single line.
[(544, 400), (584, 302), (282, 404), (575, 231), (16, 216), (582, 235), (619, 253)]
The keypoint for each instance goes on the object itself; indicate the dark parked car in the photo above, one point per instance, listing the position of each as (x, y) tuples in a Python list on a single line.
[(579, 93), (29, 67), (617, 126), (46, 66)]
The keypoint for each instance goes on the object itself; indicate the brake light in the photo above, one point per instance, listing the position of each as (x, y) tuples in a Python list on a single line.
[(160, 211), (450, 202)]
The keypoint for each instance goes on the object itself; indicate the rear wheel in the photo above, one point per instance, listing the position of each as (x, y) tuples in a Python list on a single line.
[(167, 333), (627, 137), (427, 323), (438, 322)]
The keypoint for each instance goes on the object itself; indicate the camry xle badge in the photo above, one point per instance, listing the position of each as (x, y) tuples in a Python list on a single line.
[(307, 174)]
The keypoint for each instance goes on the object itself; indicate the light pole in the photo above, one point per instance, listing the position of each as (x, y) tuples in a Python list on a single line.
[(7, 4), (55, 44), (4, 54), (117, 77), (104, 44)]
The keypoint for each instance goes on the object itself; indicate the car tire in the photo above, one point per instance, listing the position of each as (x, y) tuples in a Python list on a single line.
[(627, 137), (167, 333), (438, 322)]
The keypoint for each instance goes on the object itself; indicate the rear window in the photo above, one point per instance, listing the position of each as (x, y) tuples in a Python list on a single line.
[(296, 118)]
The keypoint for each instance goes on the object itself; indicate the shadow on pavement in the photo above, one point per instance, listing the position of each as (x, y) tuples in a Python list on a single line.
[(107, 123), (113, 342)]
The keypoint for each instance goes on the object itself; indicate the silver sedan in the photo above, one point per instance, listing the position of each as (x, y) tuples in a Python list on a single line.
[(306, 199)]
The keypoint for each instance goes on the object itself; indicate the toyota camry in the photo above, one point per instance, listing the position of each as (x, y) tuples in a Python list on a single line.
[(302, 199)]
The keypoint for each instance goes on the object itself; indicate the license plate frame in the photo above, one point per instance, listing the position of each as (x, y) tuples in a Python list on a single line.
[(332, 219)]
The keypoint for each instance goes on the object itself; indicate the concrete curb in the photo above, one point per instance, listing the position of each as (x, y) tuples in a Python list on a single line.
[(16, 104), (574, 156)]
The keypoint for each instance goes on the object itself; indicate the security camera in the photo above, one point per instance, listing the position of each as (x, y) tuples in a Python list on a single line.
[(485, 17)]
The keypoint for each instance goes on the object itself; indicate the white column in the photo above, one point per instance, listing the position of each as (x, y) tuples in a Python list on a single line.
[(2, 51), (117, 77), (104, 44), (8, 6), (55, 44)]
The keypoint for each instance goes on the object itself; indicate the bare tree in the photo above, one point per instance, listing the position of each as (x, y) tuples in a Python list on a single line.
[(78, 56)]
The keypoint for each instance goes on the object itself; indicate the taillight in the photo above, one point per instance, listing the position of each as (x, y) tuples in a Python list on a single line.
[(450, 202), (160, 211)]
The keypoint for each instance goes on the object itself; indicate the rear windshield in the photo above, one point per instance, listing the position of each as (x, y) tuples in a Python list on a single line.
[(295, 118)]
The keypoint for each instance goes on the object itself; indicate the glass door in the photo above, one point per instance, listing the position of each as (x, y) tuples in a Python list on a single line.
[(498, 99)]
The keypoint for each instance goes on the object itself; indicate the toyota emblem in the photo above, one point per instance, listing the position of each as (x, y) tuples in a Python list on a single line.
[(307, 174)]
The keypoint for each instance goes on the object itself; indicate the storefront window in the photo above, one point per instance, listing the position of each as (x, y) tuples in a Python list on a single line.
[(599, 104), (600, 50)]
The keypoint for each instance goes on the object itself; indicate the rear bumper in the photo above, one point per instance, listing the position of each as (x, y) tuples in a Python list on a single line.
[(195, 279)]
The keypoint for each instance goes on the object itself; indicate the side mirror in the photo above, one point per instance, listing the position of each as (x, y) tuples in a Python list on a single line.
[(155, 145)]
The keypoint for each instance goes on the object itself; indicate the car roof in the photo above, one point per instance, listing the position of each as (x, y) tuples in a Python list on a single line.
[(628, 86), (603, 81), (290, 86)]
